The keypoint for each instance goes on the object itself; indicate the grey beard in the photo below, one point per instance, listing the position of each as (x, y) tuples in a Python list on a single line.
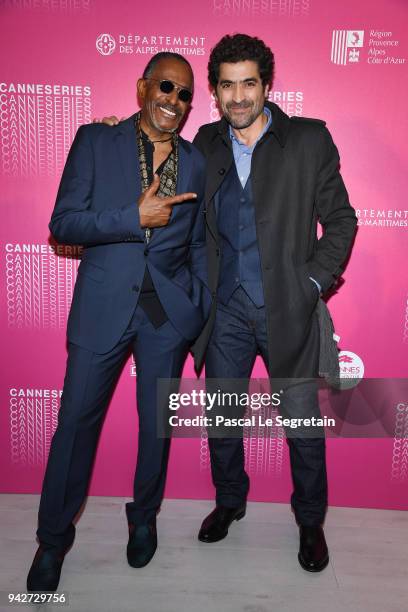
[(241, 126), (172, 131)]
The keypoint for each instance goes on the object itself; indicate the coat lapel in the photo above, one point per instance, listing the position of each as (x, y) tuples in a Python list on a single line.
[(269, 167), (267, 176), (270, 176), (218, 165)]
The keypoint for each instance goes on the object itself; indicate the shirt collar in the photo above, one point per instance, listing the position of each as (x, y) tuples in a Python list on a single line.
[(265, 129)]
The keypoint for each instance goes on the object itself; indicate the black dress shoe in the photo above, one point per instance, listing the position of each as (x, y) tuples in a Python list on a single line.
[(313, 554), (215, 525), (142, 544), (45, 571)]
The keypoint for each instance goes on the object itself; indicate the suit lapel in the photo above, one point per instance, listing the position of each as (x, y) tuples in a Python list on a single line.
[(128, 156)]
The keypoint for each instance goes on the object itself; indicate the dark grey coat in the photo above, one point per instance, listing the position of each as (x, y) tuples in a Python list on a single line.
[(295, 182)]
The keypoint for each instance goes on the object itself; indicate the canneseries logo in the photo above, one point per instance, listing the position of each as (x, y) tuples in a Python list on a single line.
[(263, 455), (399, 462), (107, 44), (291, 102), (49, 6), (351, 370), (132, 367), (351, 365), (264, 446), (372, 47), (40, 281), (265, 8), (33, 415), (38, 122)]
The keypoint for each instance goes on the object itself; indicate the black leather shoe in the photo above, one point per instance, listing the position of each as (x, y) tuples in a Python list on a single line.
[(313, 554), (215, 525), (142, 544), (45, 571)]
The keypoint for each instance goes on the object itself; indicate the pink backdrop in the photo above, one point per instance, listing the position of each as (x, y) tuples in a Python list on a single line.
[(67, 61)]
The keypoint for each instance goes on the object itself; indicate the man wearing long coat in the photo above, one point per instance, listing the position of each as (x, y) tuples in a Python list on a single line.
[(270, 179)]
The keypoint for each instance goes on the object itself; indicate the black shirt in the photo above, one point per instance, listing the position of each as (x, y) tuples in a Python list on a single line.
[(149, 300)]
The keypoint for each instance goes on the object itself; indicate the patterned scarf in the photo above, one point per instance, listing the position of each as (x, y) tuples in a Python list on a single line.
[(168, 177)]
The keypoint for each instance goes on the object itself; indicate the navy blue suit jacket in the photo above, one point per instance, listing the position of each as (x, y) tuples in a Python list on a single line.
[(97, 207)]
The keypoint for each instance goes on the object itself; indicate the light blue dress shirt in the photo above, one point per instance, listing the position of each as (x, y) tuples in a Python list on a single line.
[(243, 158), (243, 154)]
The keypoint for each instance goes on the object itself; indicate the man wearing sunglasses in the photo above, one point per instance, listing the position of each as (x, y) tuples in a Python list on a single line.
[(133, 197), (167, 87)]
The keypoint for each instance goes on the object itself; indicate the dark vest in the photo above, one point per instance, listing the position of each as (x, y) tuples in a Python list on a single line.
[(240, 261)]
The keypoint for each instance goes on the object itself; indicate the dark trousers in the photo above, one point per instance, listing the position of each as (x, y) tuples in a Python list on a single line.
[(88, 385), (239, 334)]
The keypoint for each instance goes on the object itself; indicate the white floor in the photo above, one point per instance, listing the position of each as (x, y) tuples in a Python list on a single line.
[(255, 569)]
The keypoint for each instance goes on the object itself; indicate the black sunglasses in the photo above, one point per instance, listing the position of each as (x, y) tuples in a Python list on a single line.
[(167, 87)]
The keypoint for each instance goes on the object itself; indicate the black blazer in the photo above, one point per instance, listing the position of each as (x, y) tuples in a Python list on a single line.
[(296, 183)]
